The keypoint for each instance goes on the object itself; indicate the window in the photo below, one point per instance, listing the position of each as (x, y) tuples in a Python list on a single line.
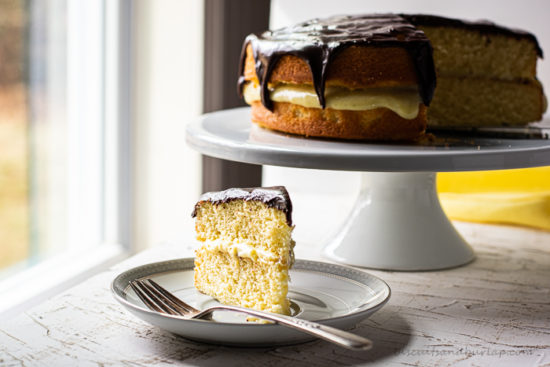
[(14, 201), (64, 197)]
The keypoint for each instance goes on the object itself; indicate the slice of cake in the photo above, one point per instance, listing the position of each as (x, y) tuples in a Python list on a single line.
[(246, 248), (486, 73), (367, 77)]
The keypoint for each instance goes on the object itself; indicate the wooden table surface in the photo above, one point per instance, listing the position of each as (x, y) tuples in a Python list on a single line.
[(493, 312)]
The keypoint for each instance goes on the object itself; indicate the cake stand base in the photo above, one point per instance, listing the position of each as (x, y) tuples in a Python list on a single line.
[(397, 224)]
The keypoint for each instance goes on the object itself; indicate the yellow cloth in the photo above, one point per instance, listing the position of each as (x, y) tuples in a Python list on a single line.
[(520, 197)]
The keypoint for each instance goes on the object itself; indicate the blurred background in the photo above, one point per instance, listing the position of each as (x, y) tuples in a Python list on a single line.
[(94, 99), (13, 136)]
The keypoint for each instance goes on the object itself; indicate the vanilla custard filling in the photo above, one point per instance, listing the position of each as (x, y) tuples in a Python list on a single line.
[(403, 101), (240, 249)]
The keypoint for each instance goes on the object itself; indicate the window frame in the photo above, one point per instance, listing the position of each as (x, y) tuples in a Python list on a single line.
[(37, 283), (226, 24)]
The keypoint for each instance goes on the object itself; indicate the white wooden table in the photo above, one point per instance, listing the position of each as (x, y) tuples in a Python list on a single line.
[(492, 312)]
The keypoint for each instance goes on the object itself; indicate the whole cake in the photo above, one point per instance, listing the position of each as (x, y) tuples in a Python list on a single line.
[(372, 77), (246, 249)]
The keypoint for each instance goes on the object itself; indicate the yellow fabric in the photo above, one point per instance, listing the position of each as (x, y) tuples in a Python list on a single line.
[(520, 197)]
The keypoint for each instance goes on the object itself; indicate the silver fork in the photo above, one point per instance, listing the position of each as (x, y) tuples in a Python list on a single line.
[(159, 299)]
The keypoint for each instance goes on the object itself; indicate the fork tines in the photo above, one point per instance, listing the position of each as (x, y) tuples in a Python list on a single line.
[(159, 299)]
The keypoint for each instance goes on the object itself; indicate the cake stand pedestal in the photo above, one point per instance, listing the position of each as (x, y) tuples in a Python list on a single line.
[(397, 222)]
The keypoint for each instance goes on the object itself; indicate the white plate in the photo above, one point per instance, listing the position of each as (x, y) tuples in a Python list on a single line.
[(229, 134), (332, 294)]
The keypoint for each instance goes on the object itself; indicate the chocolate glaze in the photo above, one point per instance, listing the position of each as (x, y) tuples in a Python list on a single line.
[(481, 26), (318, 41), (275, 197)]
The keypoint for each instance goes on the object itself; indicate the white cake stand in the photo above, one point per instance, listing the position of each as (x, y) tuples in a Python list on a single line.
[(397, 222)]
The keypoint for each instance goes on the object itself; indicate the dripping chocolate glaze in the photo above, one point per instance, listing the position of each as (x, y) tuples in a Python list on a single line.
[(318, 41), (275, 197)]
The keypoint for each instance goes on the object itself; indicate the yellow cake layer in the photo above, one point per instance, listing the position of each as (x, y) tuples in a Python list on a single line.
[(485, 102), (242, 281), (250, 222), (469, 53)]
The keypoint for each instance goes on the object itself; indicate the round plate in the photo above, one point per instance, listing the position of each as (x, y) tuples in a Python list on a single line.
[(331, 294), (229, 134)]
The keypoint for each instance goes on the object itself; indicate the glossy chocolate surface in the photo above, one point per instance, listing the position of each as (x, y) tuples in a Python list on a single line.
[(274, 197), (318, 41)]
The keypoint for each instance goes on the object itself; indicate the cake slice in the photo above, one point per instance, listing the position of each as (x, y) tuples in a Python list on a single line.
[(246, 249)]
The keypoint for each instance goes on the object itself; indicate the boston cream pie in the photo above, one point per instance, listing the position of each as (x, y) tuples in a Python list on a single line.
[(245, 247), (372, 77)]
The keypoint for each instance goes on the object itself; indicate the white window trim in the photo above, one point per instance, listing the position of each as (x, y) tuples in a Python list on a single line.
[(119, 137), (85, 127), (40, 282)]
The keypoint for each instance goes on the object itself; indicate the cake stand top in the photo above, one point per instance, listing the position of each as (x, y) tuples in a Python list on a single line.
[(229, 134)]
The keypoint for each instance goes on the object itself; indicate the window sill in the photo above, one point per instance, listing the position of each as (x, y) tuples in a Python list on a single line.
[(30, 287)]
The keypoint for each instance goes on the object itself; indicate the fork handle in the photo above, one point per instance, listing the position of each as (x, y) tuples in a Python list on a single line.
[(329, 333)]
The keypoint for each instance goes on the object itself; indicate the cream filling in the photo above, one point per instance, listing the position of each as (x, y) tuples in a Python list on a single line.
[(403, 101), (241, 249)]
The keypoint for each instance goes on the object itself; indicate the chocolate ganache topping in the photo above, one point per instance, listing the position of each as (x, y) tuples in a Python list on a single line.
[(274, 197), (318, 41)]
